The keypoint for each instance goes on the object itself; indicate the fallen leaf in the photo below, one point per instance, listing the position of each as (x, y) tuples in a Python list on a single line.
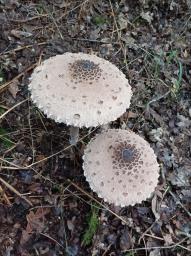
[(70, 225), (35, 222), (132, 114), (13, 88), (61, 3), (19, 33), (168, 239), (147, 16), (24, 237), (122, 21), (184, 122), (125, 241), (181, 176), (155, 252)]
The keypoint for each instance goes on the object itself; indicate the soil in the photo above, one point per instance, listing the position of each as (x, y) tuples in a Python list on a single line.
[(45, 201)]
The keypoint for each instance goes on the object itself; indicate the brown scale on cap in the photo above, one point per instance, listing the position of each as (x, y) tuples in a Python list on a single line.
[(85, 70), (123, 168), (124, 154)]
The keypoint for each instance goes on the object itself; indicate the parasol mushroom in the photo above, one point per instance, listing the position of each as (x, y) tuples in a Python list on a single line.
[(80, 90), (121, 167)]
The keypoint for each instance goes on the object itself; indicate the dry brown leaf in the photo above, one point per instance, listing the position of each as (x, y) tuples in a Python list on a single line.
[(168, 239), (132, 114), (19, 33), (13, 88), (24, 237), (35, 222)]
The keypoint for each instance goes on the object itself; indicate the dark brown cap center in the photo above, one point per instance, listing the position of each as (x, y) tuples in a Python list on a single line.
[(87, 65), (127, 154), (85, 70)]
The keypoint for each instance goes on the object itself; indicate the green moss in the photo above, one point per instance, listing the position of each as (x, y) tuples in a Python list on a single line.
[(99, 20), (93, 223)]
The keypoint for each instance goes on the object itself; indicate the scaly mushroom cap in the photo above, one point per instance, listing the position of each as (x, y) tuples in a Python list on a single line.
[(80, 89), (121, 167)]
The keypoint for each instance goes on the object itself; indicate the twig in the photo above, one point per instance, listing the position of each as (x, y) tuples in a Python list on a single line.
[(83, 200), (51, 238), (62, 150), (22, 48), (161, 247), (10, 149), (56, 25), (5, 196), (146, 231), (155, 237), (178, 202), (30, 19), (94, 41), (113, 14), (107, 250), (158, 98), (15, 191), (13, 166), (78, 6), (184, 27), (4, 86), (13, 107), (95, 200), (17, 167), (149, 229)]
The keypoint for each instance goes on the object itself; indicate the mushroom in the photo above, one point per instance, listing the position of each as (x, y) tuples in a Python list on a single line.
[(80, 90), (121, 167)]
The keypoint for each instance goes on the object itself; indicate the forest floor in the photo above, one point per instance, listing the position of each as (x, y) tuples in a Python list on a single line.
[(46, 206)]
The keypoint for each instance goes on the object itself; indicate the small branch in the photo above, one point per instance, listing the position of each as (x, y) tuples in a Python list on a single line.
[(52, 239), (158, 98), (29, 19), (5, 85), (178, 202), (2, 192), (15, 191), (22, 48), (95, 200), (78, 6), (46, 158), (162, 247), (13, 107)]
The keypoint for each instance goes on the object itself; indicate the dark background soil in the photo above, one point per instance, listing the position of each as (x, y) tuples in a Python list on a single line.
[(44, 207)]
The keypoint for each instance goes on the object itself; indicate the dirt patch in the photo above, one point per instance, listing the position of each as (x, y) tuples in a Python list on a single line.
[(46, 205)]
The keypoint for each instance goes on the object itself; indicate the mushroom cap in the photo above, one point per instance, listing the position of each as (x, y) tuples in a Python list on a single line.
[(121, 167), (80, 89)]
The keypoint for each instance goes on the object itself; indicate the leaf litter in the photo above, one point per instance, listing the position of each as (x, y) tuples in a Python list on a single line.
[(150, 42)]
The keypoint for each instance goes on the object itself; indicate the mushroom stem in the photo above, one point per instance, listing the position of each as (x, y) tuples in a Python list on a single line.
[(74, 135)]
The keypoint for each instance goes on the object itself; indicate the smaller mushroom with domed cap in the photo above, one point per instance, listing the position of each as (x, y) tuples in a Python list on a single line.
[(80, 90), (121, 167)]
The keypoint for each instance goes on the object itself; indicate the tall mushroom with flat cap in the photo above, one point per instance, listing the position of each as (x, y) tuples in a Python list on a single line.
[(121, 167), (80, 90)]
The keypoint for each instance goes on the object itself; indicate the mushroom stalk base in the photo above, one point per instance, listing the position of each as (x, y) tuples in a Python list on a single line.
[(74, 135)]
